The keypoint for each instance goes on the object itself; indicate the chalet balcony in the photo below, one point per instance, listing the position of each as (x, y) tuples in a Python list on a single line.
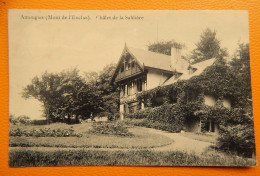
[(126, 74), (128, 98)]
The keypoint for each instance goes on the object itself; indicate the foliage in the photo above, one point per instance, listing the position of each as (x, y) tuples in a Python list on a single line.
[(164, 47), (110, 128), (79, 157), (237, 130), (240, 66), (239, 139), (22, 119), (208, 47), (46, 132), (221, 80), (67, 95), (168, 117), (107, 94)]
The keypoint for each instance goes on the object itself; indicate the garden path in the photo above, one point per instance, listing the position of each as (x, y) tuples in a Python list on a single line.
[(181, 143)]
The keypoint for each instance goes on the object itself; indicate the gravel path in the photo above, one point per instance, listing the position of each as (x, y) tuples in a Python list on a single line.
[(181, 143)]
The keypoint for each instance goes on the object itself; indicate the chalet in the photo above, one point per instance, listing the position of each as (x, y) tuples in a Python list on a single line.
[(139, 70)]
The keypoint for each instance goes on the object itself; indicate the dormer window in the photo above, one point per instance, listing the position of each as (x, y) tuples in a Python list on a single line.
[(128, 66), (133, 64)]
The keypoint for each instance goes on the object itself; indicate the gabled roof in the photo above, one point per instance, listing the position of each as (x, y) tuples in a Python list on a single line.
[(151, 59), (146, 59), (200, 67)]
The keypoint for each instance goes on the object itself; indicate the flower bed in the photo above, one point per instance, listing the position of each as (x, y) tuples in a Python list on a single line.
[(46, 132), (110, 128)]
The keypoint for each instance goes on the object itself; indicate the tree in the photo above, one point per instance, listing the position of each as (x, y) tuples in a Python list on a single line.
[(164, 47), (107, 96), (237, 131), (240, 67), (47, 90), (62, 94), (208, 47), (67, 95)]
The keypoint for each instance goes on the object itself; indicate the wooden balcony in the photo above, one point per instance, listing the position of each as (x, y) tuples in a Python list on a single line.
[(129, 98), (127, 74)]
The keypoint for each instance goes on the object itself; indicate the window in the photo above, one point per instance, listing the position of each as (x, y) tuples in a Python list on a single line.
[(131, 109), (139, 105), (129, 90), (126, 90), (139, 85), (123, 90), (128, 66), (133, 64), (122, 69), (124, 108), (210, 126)]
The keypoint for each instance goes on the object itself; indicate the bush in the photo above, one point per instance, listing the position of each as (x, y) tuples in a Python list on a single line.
[(238, 139), (39, 122), (110, 128), (168, 117), (112, 116), (46, 132), (23, 119)]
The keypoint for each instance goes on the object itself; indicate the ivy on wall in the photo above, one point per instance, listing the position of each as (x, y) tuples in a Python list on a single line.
[(184, 99)]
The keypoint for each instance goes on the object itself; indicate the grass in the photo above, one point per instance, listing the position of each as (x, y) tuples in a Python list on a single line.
[(141, 138), (212, 138), (75, 151), (81, 157)]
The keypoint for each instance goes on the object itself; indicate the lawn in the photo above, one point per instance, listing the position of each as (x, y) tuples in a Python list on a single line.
[(84, 157), (84, 150), (205, 137), (141, 138)]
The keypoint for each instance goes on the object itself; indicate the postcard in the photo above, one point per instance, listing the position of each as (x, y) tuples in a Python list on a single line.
[(130, 88)]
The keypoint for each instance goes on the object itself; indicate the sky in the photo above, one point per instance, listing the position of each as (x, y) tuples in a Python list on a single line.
[(55, 40)]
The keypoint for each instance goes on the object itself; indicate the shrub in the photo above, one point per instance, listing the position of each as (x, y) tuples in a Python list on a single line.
[(168, 117), (110, 128), (238, 139), (46, 132), (23, 119)]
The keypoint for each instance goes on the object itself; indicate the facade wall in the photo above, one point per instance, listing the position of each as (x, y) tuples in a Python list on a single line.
[(155, 78)]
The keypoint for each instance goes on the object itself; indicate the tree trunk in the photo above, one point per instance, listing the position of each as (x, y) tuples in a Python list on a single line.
[(77, 119), (69, 119)]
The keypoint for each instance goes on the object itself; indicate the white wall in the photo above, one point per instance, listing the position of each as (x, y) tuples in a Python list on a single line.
[(155, 78)]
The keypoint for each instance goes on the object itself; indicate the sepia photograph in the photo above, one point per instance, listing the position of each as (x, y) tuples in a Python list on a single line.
[(130, 88)]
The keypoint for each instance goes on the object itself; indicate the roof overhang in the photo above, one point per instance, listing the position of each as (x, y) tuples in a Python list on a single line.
[(125, 50)]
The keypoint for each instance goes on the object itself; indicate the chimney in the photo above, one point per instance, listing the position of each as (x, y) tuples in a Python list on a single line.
[(177, 63)]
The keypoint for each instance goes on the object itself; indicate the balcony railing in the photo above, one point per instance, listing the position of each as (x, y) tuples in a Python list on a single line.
[(126, 73), (128, 98)]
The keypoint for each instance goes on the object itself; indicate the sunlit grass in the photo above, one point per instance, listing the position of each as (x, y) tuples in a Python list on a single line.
[(83, 157)]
